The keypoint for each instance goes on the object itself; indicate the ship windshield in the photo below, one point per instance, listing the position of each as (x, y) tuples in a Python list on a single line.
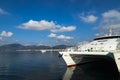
[(107, 37)]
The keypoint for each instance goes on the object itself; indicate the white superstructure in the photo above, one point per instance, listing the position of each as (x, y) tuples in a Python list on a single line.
[(100, 45)]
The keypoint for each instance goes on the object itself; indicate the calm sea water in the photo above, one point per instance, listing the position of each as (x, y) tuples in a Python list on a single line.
[(48, 66)]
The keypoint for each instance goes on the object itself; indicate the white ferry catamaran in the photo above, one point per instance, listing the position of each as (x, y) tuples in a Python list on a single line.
[(101, 48)]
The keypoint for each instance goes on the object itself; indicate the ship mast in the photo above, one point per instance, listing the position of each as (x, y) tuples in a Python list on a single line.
[(110, 32)]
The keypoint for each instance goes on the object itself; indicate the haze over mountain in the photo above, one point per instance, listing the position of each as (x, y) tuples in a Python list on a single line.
[(15, 46)]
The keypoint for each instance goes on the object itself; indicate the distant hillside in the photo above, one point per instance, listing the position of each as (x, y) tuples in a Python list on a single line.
[(13, 47), (61, 47), (37, 47), (10, 47)]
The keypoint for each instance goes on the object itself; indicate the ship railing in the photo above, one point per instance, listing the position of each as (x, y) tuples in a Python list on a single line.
[(75, 50)]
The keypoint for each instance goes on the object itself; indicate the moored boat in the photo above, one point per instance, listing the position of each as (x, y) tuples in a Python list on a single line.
[(99, 49)]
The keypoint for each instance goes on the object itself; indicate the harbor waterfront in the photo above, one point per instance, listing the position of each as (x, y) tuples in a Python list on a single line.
[(59, 39), (27, 65)]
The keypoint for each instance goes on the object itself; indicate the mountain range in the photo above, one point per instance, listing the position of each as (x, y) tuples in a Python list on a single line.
[(15, 46)]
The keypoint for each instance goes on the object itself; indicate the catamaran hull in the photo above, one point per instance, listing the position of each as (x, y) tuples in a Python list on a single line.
[(77, 58), (83, 59)]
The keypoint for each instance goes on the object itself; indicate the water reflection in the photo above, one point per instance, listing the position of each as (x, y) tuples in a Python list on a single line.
[(93, 71), (31, 66), (48, 66), (68, 74)]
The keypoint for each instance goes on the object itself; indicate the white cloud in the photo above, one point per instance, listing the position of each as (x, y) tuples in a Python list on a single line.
[(60, 37), (64, 29), (111, 19), (89, 18), (3, 11), (38, 25), (6, 34), (52, 35), (45, 25), (63, 37), (111, 14)]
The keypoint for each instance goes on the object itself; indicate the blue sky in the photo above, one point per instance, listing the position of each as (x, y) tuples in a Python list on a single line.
[(52, 22)]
